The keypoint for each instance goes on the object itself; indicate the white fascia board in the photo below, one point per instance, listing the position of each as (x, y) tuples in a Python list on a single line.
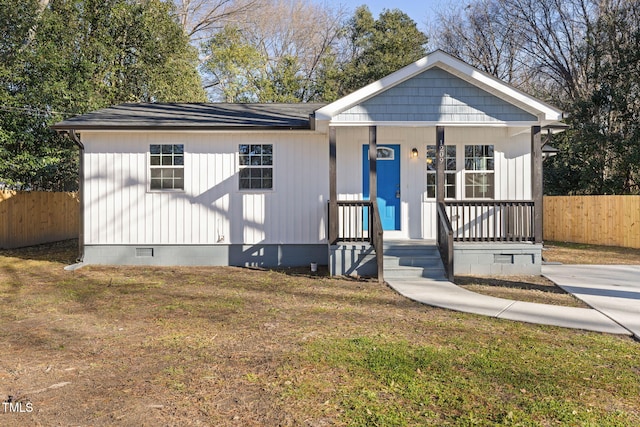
[(432, 124), (200, 131), (458, 68)]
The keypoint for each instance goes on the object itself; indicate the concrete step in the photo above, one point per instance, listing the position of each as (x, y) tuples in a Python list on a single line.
[(429, 261), (388, 245), (395, 273), (412, 259), (410, 242), (421, 251)]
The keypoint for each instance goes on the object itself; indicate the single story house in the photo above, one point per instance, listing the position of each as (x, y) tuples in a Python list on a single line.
[(437, 152)]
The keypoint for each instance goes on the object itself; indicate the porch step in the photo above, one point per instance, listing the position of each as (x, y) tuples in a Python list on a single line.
[(412, 259), (411, 251)]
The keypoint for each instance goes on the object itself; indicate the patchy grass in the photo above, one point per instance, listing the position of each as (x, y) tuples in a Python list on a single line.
[(400, 383), (536, 289), (231, 346), (578, 253)]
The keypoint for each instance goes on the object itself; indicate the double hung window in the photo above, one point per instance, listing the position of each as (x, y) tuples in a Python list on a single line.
[(256, 166), (449, 171), (479, 163), (166, 166)]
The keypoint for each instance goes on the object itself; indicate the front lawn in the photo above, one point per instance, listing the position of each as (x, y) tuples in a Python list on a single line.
[(231, 346)]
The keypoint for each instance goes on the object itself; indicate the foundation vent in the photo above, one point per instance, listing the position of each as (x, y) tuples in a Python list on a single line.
[(503, 259), (144, 252)]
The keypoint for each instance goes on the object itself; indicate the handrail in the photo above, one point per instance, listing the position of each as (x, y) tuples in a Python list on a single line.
[(445, 240), (359, 221)]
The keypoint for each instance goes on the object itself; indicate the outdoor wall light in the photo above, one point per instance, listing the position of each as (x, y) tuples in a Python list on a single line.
[(549, 151), (414, 153)]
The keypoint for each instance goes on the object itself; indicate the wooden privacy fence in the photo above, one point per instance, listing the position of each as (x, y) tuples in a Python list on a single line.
[(598, 220), (33, 217)]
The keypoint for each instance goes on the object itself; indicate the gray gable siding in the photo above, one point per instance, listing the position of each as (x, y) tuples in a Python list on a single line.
[(435, 96)]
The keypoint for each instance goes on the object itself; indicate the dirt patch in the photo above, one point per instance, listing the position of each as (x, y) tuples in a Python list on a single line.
[(577, 253), (540, 289), (536, 289)]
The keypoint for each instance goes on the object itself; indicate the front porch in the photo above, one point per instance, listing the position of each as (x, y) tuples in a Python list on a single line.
[(439, 151), (472, 236), (487, 238)]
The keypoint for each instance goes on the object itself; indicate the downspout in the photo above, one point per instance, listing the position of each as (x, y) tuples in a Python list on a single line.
[(73, 136)]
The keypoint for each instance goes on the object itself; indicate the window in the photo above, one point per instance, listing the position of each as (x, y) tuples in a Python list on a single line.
[(479, 172), (449, 171), (166, 162), (385, 153), (256, 166)]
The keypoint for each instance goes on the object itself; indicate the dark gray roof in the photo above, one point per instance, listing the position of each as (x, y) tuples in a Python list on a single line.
[(214, 116)]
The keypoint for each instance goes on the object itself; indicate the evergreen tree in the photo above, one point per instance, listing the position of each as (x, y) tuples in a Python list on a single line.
[(378, 47)]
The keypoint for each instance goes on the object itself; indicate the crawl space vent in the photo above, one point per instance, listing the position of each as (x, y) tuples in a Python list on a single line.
[(503, 259), (144, 252)]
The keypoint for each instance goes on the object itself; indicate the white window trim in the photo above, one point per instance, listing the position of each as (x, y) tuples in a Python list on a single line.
[(466, 172), (150, 166), (454, 172), (272, 166), (393, 153)]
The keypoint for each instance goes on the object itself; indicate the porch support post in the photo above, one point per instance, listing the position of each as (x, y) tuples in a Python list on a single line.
[(536, 181), (373, 157), (440, 157), (333, 189)]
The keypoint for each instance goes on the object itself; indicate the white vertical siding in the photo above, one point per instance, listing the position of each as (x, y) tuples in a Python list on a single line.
[(349, 142), (120, 210), (512, 158)]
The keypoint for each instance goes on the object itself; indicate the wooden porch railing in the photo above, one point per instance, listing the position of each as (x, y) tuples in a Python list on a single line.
[(353, 219), (445, 240), (492, 221), (359, 221)]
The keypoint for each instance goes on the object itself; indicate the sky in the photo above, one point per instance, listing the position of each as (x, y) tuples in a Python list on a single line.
[(421, 11)]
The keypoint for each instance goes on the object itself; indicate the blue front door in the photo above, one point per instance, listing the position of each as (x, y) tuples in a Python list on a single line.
[(388, 171)]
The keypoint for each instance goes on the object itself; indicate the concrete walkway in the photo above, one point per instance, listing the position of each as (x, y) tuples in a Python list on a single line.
[(444, 294), (613, 290)]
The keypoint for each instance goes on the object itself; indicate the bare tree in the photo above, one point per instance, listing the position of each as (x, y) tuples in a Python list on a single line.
[(477, 33), (553, 34), (202, 18), (583, 56), (283, 28), (279, 34), (534, 44)]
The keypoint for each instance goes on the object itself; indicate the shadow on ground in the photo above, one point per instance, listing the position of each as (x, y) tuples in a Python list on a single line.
[(65, 252)]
